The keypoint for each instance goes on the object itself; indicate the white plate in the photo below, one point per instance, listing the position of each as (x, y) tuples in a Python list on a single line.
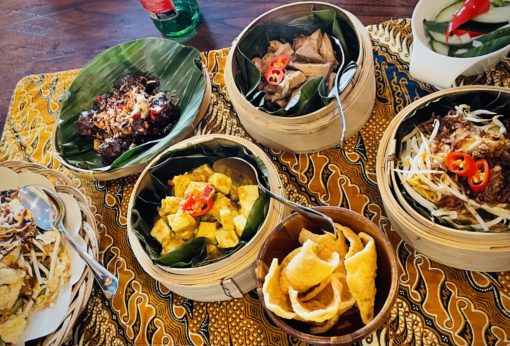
[(46, 321)]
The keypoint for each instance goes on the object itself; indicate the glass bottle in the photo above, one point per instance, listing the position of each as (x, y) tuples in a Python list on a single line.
[(175, 19)]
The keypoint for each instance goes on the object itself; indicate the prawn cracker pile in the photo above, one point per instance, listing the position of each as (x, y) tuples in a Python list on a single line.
[(324, 278)]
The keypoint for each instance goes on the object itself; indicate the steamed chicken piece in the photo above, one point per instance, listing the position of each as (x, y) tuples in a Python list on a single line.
[(221, 224), (309, 56)]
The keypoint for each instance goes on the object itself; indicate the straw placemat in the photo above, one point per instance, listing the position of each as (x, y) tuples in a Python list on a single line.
[(436, 304)]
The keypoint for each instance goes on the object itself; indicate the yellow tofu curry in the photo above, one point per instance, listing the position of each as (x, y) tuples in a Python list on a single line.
[(204, 203)]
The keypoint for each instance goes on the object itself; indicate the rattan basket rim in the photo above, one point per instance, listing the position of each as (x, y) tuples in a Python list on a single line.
[(82, 289), (419, 224), (235, 262)]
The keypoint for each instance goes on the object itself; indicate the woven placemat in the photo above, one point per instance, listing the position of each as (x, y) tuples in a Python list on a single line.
[(435, 305)]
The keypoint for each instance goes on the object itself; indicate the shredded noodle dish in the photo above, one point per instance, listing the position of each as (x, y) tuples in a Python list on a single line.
[(457, 168), (33, 265)]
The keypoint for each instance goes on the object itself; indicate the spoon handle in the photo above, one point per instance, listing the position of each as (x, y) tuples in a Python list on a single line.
[(305, 211), (106, 280)]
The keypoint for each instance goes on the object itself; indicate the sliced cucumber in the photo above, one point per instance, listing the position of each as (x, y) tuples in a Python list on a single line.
[(485, 48), (452, 40), (439, 47), (495, 15), (446, 14), (434, 26), (499, 12)]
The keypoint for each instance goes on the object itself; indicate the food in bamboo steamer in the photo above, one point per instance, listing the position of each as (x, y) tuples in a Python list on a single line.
[(201, 276), (320, 128), (465, 234), (127, 105)]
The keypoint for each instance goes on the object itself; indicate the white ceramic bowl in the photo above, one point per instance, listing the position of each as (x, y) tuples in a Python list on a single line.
[(437, 69)]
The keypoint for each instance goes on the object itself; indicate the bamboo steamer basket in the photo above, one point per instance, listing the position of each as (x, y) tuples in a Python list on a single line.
[(231, 277), (133, 169), (318, 130), (478, 251), (82, 289)]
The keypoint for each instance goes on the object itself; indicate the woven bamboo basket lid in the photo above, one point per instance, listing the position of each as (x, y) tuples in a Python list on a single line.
[(83, 287), (479, 251), (129, 170), (231, 277), (322, 128)]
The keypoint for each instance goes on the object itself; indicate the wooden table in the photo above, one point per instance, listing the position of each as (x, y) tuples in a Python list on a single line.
[(52, 35)]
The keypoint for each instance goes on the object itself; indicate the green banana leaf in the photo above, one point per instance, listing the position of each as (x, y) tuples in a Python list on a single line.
[(179, 70), (312, 95), (145, 208), (489, 100)]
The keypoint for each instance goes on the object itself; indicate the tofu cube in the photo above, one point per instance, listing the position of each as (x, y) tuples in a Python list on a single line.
[(226, 238), (233, 193), (196, 187), (181, 222), (212, 251), (227, 218), (171, 244), (248, 194), (170, 205), (181, 183), (220, 202), (160, 231), (204, 172), (221, 182), (240, 224), (207, 230), (187, 234)]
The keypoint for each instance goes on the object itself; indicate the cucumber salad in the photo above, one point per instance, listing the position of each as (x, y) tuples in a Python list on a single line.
[(470, 28)]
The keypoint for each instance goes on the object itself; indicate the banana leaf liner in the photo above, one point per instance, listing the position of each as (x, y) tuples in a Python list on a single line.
[(489, 100), (179, 70), (145, 208), (312, 95)]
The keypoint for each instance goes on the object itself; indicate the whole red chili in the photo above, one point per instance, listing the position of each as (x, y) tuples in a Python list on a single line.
[(460, 32), (468, 11)]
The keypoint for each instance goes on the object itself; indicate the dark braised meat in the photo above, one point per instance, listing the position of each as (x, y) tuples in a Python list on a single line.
[(134, 112), (112, 148), (86, 126)]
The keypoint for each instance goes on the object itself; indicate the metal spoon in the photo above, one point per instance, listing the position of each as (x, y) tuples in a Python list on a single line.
[(48, 211), (243, 172)]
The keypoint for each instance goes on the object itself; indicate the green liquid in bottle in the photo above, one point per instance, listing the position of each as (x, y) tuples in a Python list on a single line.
[(179, 19)]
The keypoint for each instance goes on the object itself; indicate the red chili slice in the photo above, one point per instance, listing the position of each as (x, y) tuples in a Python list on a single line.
[(198, 205), (460, 32), (460, 163), (478, 181), (279, 62), (468, 11), (274, 76)]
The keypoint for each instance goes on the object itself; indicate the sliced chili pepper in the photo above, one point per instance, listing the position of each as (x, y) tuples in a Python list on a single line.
[(98, 98), (202, 207), (197, 205), (460, 163), (279, 62), (274, 76), (460, 32), (480, 179), (136, 116), (153, 111), (468, 11)]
